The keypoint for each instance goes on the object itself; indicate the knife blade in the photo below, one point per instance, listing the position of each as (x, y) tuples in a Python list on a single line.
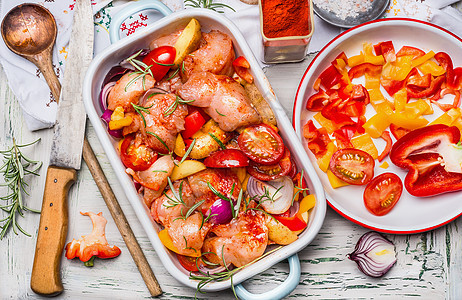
[(65, 157)]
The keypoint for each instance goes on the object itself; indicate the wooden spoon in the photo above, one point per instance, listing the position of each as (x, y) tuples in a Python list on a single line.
[(29, 30)]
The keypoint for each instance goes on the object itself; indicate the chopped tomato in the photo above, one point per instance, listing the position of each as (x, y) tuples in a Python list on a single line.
[(161, 60), (136, 157), (271, 172), (188, 262), (241, 67), (352, 166), (294, 223), (261, 144), (227, 158), (382, 193), (192, 123)]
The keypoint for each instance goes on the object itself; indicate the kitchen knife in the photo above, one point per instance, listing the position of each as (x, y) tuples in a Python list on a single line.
[(66, 156)]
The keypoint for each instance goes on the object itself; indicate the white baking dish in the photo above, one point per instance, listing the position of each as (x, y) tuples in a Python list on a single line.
[(122, 49)]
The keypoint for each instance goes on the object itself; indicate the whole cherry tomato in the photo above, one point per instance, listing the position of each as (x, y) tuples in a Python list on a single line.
[(160, 59)]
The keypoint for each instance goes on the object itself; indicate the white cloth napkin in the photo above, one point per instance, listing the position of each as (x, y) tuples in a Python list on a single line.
[(33, 94)]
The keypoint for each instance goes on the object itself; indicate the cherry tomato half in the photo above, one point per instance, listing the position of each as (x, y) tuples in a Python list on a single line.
[(227, 158), (189, 263), (382, 193), (160, 59), (352, 166), (271, 172), (261, 144), (136, 157)]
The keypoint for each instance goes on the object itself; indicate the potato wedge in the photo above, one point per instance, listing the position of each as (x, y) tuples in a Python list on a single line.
[(186, 168), (260, 104), (205, 144), (279, 233), (179, 146), (187, 41)]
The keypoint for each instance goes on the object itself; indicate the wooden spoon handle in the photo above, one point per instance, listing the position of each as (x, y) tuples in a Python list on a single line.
[(43, 61), (120, 220), (45, 277)]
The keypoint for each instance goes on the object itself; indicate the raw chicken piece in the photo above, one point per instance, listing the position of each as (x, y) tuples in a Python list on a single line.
[(222, 98), (186, 234), (163, 120), (153, 180), (240, 241), (121, 95), (215, 55), (171, 85), (167, 40), (221, 179)]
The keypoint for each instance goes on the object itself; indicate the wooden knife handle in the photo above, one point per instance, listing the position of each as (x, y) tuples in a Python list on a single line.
[(120, 220), (45, 278)]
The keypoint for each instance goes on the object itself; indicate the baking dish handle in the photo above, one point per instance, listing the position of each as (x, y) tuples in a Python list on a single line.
[(281, 291), (132, 9)]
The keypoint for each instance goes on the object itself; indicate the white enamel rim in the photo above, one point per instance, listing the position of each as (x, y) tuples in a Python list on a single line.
[(120, 50), (414, 33)]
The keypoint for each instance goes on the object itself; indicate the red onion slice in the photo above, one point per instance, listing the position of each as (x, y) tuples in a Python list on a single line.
[(205, 270), (114, 74), (274, 196), (104, 93), (106, 117), (374, 254), (220, 212)]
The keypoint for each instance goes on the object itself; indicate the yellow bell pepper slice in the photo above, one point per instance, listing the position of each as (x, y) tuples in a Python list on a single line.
[(372, 82), (401, 119), (418, 108), (397, 70), (307, 203), (364, 142), (400, 100), (334, 181), (369, 57), (458, 123), (422, 59), (377, 124), (448, 117), (356, 60), (323, 162), (379, 102), (431, 67), (385, 165), (118, 119), (324, 122)]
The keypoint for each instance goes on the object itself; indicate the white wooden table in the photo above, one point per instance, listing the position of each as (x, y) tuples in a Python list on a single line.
[(429, 264)]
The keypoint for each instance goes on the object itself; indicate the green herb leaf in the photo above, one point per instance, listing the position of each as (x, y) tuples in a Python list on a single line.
[(219, 142)]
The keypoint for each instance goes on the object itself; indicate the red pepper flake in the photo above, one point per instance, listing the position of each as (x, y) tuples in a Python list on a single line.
[(283, 18)]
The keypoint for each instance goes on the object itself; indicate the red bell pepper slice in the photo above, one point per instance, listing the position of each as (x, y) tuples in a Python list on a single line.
[(392, 86), (457, 82), (318, 139), (330, 77), (241, 67), (294, 223), (94, 244), (434, 88), (387, 50), (446, 62), (360, 94), (317, 101), (419, 81), (386, 136), (408, 51), (192, 123), (432, 156), (446, 107), (398, 132), (361, 69), (343, 137)]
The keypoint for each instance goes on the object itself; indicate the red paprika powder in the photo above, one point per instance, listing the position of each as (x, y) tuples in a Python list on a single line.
[(285, 18)]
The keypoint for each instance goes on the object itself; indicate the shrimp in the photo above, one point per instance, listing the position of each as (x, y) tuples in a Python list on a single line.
[(222, 98), (215, 55), (125, 93), (154, 179), (239, 242), (163, 122)]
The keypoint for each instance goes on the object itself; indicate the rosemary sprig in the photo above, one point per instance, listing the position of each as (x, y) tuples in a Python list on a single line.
[(140, 109), (171, 109), (219, 142), (159, 139), (220, 113), (209, 4), (205, 278), (15, 167), (188, 151), (173, 75), (142, 70), (299, 189)]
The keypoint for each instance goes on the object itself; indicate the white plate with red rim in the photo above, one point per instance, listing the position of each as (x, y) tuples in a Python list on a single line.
[(411, 214)]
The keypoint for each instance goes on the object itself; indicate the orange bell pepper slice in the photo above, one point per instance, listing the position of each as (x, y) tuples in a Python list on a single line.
[(242, 67)]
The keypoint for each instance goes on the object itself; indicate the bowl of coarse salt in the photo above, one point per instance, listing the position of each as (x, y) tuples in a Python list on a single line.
[(349, 13)]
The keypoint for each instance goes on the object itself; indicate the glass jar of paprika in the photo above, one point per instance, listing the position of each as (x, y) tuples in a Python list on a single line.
[(286, 28)]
